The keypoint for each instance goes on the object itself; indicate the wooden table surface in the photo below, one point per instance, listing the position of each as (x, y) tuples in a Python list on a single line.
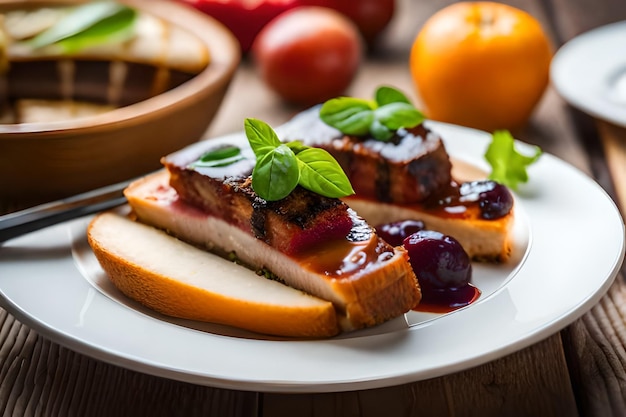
[(580, 371)]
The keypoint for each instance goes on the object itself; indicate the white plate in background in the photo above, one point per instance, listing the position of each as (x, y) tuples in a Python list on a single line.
[(589, 72)]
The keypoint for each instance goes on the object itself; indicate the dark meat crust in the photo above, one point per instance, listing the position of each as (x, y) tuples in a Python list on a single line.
[(290, 225), (407, 169), (409, 179)]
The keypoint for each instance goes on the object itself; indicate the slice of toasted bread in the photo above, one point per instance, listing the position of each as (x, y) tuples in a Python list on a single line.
[(180, 280), (374, 288)]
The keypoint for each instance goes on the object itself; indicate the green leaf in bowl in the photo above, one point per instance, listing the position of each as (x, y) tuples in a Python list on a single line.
[(88, 25)]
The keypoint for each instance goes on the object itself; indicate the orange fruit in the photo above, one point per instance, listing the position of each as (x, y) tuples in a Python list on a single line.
[(481, 64)]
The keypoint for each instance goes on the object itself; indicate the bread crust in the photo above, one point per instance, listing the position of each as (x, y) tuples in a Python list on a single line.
[(375, 292), (142, 278)]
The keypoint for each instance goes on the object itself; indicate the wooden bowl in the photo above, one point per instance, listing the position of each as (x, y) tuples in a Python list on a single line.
[(47, 160)]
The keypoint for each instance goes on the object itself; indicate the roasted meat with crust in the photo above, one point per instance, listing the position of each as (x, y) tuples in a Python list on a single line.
[(313, 243), (300, 220), (408, 168), (408, 177)]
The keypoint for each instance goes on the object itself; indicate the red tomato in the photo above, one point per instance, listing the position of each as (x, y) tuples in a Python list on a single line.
[(308, 54), (370, 16), (246, 18)]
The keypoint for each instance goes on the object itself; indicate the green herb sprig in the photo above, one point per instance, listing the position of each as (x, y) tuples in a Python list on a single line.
[(219, 157), (88, 25), (508, 166), (280, 167), (389, 111)]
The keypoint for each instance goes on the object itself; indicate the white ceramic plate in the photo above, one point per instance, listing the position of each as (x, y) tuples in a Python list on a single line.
[(589, 72), (570, 245)]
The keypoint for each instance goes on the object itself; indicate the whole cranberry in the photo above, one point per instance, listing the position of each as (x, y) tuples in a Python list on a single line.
[(494, 199), (439, 261)]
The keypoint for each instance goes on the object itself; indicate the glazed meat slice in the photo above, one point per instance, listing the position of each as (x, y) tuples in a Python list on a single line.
[(313, 243), (407, 169), (301, 219), (290, 225)]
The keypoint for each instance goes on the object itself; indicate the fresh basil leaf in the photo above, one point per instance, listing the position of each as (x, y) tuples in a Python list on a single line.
[(397, 115), (334, 108), (276, 173), (88, 24), (380, 132), (261, 137), (227, 151), (508, 166), (217, 163), (391, 111), (219, 157), (386, 95), (297, 146), (357, 124), (320, 173), (281, 167), (349, 115)]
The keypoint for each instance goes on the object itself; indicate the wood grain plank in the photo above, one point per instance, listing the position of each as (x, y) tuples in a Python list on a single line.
[(595, 345), (515, 393), (574, 17), (597, 355), (41, 378), (614, 143), (524, 389), (421, 398)]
